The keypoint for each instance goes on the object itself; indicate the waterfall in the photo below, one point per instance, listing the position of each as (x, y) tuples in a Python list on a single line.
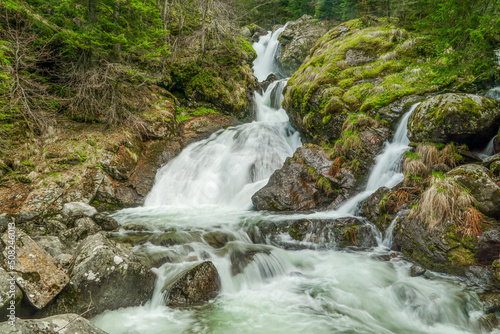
[(267, 49), (206, 191), (387, 169), (231, 165)]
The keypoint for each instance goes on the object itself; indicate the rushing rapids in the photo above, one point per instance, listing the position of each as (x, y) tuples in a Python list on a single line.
[(207, 189)]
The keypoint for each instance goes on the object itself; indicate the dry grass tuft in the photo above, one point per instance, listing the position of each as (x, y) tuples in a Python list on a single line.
[(443, 201), (472, 220), (415, 167), (428, 153), (335, 168), (389, 56), (446, 156)]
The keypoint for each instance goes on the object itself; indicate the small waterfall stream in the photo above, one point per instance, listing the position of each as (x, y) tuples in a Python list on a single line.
[(207, 190)]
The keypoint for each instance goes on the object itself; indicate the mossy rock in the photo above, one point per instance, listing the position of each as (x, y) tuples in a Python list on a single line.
[(461, 118)]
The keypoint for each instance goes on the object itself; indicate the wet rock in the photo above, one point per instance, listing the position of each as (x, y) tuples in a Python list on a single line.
[(489, 160), (478, 180), (461, 118), (242, 254), (480, 276), (195, 287), (75, 210), (269, 80), (105, 222), (490, 301), (297, 40), (416, 271), (315, 233), (37, 273), (8, 292), (83, 228), (104, 276), (440, 248), (305, 182), (218, 239), (371, 208), (489, 322), (58, 324)]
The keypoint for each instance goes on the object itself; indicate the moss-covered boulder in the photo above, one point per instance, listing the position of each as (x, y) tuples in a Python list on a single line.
[(297, 40), (360, 68), (461, 118), (479, 182), (308, 180)]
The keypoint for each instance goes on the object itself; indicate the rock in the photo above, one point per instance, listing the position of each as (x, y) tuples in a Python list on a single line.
[(416, 271), (489, 247), (269, 80), (9, 291), (489, 322), (105, 222), (461, 118), (83, 228), (58, 324), (37, 273), (478, 180), (218, 239), (355, 57), (491, 159), (52, 245), (441, 168), (123, 164), (75, 210), (315, 233), (305, 182), (297, 40), (495, 168), (195, 287), (491, 301), (438, 249), (371, 207), (105, 276), (5, 220)]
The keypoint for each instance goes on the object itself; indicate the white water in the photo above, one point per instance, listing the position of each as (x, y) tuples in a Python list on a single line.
[(207, 189), (266, 50)]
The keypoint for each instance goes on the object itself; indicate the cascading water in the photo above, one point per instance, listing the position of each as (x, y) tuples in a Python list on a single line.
[(206, 190)]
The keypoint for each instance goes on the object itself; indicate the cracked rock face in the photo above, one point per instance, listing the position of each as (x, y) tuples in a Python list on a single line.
[(104, 276), (37, 273)]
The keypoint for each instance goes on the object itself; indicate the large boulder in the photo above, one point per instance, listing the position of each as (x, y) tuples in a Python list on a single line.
[(305, 182), (478, 181), (37, 273), (461, 118), (195, 287), (297, 40), (104, 276), (58, 324)]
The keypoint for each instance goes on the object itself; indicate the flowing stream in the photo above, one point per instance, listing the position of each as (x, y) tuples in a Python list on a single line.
[(206, 191)]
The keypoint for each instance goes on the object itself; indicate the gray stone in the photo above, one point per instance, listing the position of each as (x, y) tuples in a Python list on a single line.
[(105, 276), (83, 228), (37, 273), (58, 324), (355, 57), (416, 271), (195, 287), (78, 210), (106, 222)]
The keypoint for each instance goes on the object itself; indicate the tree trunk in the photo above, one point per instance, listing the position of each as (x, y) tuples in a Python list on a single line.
[(203, 25), (117, 47)]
